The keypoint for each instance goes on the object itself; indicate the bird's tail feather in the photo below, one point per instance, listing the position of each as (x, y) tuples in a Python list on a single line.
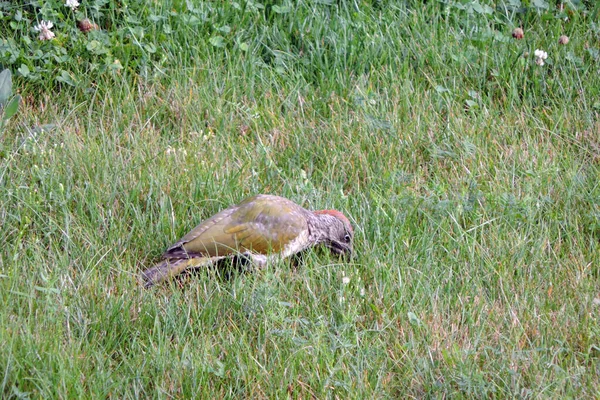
[(167, 269)]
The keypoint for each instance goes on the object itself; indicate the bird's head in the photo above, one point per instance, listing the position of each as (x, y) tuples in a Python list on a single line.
[(336, 232)]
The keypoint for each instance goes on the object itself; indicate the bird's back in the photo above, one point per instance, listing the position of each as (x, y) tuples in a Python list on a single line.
[(259, 224)]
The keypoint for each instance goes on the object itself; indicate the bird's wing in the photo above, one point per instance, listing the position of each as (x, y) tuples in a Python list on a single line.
[(260, 224)]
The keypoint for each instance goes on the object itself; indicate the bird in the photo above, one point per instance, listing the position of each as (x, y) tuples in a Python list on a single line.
[(260, 229)]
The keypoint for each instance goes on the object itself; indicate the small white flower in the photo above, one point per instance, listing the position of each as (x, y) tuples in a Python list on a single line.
[(540, 56), (175, 152), (43, 25), (346, 280), (72, 4), (44, 29)]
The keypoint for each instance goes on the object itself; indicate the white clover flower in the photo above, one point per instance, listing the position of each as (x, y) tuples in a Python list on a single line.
[(72, 4), (540, 56), (44, 29), (346, 280)]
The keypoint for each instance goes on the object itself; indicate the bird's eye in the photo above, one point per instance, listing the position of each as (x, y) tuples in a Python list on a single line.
[(347, 238)]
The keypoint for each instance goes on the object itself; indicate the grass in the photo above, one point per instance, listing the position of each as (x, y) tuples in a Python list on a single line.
[(469, 172)]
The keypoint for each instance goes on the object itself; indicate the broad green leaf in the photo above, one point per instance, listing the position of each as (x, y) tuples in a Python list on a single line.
[(540, 4), (413, 319), (65, 77), (150, 48), (481, 9), (218, 369), (471, 103), (217, 41), (282, 9), (224, 29), (96, 47), (132, 20), (574, 59), (5, 86), (24, 70), (156, 18), (11, 108)]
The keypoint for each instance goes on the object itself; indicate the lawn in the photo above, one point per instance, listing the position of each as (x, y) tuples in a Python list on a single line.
[(468, 165)]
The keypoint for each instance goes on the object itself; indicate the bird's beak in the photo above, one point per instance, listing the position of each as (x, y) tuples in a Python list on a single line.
[(341, 249)]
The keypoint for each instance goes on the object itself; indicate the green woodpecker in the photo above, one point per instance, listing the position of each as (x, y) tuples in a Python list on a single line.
[(261, 228)]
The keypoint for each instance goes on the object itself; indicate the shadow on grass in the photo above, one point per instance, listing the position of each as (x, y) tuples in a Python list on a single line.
[(228, 269)]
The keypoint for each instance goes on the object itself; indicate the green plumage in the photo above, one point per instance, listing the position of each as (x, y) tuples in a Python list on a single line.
[(261, 224)]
